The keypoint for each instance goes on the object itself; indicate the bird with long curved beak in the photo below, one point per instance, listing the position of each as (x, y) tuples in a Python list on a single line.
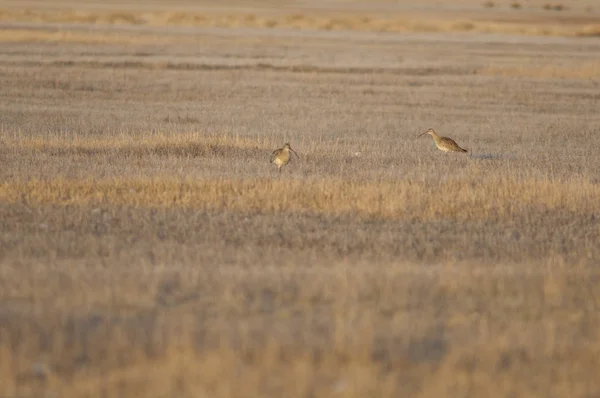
[(444, 144), (281, 157)]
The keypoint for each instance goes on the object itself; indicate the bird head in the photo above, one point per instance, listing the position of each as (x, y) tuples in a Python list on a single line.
[(289, 148), (429, 131)]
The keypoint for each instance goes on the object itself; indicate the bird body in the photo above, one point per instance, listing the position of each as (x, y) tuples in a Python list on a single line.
[(444, 144), (281, 157)]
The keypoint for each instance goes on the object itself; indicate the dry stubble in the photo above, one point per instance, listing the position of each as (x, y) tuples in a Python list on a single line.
[(143, 250)]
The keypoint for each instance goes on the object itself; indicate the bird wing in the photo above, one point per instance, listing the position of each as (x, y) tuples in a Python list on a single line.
[(274, 155), (451, 143)]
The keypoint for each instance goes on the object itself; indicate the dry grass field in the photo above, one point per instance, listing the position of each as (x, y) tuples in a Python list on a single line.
[(527, 17), (147, 248)]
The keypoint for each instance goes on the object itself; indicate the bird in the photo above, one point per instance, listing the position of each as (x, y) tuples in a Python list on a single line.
[(444, 144), (280, 157)]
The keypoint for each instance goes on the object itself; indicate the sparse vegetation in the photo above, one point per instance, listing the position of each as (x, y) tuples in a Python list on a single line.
[(516, 5), (147, 247)]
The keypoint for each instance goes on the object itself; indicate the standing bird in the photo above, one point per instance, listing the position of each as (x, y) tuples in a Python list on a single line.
[(280, 157), (444, 144)]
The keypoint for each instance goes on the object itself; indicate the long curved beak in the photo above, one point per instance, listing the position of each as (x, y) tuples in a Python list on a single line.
[(294, 153), (421, 134)]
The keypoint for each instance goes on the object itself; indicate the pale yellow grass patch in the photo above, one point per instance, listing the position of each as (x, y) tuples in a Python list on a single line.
[(157, 142), (326, 21)]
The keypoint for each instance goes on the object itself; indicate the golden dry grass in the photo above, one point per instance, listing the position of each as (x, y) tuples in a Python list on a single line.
[(393, 22), (464, 200)]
